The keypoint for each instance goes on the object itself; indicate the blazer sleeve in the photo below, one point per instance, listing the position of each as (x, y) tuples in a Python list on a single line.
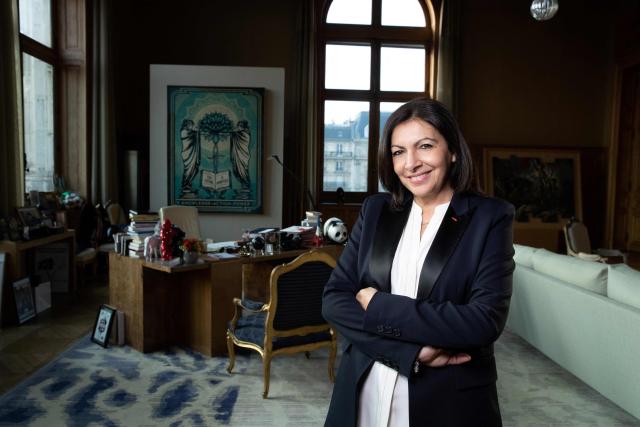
[(342, 310), (476, 323)]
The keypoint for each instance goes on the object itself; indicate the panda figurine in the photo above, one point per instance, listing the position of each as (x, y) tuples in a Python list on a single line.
[(335, 230)]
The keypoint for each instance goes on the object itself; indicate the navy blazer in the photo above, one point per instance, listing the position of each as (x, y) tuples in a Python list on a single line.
[(462, 305)]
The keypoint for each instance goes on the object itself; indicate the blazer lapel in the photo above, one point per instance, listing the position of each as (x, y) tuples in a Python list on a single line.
[(449, 234), (388, 233)]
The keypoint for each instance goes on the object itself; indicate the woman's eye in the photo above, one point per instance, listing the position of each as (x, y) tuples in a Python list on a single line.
[(426, 146), (396, 153)]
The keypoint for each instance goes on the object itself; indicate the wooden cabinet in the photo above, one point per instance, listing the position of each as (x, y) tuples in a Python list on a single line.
[(18, 266)]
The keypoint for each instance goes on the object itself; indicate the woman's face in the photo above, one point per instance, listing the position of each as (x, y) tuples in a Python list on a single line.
[(422, 160)]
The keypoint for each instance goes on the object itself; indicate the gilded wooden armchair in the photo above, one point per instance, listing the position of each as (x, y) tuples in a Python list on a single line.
[(291, 320)]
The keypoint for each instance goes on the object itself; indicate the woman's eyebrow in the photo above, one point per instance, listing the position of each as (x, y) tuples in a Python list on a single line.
[(426, 138)]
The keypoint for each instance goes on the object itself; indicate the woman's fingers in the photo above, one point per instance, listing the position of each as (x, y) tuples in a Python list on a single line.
[(437, 357)]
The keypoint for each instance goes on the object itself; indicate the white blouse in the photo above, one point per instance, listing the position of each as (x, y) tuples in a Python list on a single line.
[(384, 399)]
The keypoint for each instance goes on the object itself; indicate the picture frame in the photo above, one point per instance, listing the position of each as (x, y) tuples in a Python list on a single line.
[(51, 263), (25, 304), (215, 148), (542, 184), (29, 216), (102, 326)]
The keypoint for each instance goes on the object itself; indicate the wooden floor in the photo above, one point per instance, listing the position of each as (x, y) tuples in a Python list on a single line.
[(25, 348)]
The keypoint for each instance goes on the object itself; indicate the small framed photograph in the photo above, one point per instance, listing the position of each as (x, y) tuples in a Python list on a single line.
[(102, 327), (29, 216), (25, 305)]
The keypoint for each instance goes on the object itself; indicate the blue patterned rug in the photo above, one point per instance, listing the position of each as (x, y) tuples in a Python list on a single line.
[(118, 386)]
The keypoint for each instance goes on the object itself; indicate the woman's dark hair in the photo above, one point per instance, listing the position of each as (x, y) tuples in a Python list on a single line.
[(461, 175)]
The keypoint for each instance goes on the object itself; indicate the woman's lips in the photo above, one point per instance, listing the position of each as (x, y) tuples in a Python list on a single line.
[(417, 179)]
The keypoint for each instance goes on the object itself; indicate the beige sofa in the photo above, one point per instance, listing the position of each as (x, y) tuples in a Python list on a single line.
[(583, 315)]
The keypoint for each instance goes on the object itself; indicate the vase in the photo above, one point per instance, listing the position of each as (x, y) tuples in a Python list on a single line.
[(190, 257)]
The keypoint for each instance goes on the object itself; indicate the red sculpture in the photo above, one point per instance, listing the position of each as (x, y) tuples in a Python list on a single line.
[(167, 233)]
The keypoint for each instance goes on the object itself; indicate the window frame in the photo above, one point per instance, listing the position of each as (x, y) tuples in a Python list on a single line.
[(375, 35), (51, 56)]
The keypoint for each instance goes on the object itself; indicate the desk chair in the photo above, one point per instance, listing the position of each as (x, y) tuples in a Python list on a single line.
[(291, 321), (116, 214), (111, 220), (185, 217), (576, 237)]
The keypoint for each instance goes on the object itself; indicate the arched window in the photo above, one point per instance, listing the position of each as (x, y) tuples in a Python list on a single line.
[(373, 55)]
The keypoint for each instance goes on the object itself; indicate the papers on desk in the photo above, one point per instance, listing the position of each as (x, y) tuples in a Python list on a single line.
[(215, 247), (298, 229), (221, 255)]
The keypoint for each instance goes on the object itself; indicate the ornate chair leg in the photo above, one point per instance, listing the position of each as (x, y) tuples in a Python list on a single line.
[(266, 361), (232, 353), (332, 360)]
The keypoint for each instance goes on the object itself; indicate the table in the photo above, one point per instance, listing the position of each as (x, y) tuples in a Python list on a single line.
[(17, 267), (188, 304)]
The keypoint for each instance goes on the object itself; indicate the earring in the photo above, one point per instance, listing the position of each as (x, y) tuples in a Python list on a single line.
[(453, 159)]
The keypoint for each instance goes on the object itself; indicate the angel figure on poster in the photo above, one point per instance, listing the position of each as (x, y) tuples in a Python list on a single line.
[(190, 137), (240, 155)]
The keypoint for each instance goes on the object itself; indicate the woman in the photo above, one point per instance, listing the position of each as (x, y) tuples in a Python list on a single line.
[(422, 289)]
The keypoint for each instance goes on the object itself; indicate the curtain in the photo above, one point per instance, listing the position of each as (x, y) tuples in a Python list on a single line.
[(299, 154), (104, 178), (11, 164), (448, 54)]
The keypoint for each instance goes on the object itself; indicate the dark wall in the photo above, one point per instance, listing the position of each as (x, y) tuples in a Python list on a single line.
[(193, 32), (525, 83), (521, 82), (530, 83)]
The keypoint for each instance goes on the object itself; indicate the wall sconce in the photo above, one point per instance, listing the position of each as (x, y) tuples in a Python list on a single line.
[(543, 10)]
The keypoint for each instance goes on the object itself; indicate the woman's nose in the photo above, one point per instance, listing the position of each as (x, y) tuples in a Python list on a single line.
[(412, 161)]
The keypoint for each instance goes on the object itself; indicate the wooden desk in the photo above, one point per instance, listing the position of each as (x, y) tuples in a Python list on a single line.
[(17, 267), (188, 305)]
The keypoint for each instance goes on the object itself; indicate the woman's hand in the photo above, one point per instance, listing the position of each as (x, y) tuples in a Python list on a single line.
[(364, 296), (437, 357)]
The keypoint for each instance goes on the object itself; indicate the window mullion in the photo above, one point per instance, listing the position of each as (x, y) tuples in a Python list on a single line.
[(376, 11)]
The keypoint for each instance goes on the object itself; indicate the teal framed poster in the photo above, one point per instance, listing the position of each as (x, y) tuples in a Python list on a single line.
[(215, 148)]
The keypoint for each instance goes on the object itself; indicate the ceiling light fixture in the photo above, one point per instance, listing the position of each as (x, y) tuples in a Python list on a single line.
[(543, 10)]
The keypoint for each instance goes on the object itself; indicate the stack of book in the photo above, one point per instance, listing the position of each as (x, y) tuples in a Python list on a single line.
[(141, 226), (136, 248)]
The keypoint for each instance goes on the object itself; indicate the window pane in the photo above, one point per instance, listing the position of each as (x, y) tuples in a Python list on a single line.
[(350, 12), (403, 13), (348, 67), (35, 20), (386, 108), (346, 145), (402, 69), (37, 81)]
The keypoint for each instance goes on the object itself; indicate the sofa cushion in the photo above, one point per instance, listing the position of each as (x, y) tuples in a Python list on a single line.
[(524, 255), (589, 275), (624, 284)]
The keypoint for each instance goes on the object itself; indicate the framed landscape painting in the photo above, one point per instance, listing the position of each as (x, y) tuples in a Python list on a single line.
[(542, 184), (215, 148)]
